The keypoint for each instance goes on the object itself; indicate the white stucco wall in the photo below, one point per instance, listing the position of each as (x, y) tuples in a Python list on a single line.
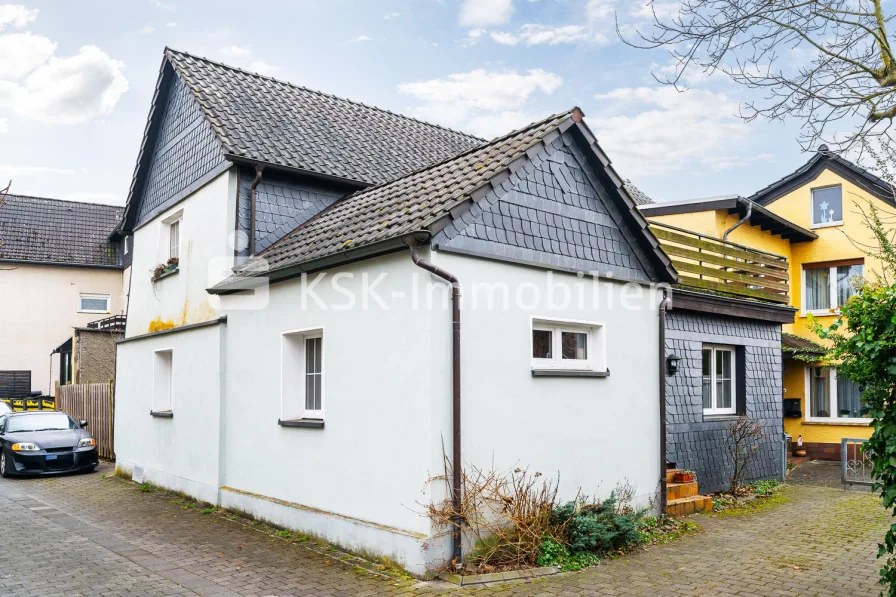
[(205, 243), (361, 481), (39, 305), (181, 452)]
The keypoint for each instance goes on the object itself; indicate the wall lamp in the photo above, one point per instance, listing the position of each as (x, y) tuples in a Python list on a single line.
[(672, 364)]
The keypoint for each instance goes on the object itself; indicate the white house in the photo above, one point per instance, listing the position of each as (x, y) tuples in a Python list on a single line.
[(299, 360)]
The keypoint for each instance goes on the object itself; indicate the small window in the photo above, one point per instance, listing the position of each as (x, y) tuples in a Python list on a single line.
[(94, 303), (827, 207), (827, 287), (174, 240), (302, 375), (558, 344), (832, 396), (719, 385), (163, 389), (127, 245)]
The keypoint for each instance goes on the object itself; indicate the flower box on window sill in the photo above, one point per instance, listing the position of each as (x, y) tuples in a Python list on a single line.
[(164, 270), (307, 423)]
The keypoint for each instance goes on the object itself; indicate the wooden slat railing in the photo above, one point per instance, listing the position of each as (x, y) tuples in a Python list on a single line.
[(708, 263), (95, 403)]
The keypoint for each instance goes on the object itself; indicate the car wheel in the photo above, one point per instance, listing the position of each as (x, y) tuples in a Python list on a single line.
[(3, 472)]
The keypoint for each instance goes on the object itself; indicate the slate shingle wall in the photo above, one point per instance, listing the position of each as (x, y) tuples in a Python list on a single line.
[(185, 152), (556, 213), (282, 203), (699, 444)]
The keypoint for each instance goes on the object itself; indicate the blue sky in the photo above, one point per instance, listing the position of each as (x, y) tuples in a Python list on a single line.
[(76, 80)]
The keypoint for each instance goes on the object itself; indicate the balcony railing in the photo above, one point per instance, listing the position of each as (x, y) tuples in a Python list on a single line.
[(109, 324), (707, 263)]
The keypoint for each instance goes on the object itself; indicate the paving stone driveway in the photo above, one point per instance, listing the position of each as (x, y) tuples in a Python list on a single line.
[(89, 535)]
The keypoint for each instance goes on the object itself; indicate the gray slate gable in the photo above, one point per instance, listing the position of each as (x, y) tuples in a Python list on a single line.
[(556, 215), (53, 231)]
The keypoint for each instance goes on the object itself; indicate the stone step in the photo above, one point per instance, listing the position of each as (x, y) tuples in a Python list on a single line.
[(689, 505), (675, 491)]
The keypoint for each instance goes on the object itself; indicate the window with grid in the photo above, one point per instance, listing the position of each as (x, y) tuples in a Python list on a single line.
[(827, 286), (302, 375), (558, 344), (719, 385)]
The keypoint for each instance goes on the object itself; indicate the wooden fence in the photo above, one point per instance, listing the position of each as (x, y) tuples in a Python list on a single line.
[(711, 264), (95, 403)]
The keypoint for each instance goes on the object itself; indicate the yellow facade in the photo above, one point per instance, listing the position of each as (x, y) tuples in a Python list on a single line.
[(834, 243)]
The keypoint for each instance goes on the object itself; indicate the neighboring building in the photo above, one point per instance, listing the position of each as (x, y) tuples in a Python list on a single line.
[(233, 353), (58, 270), (88, 355), (811, 218)]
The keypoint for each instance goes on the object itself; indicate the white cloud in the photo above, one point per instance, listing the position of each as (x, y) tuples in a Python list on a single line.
[(485, 13), (21, 53), (8, 171), (66, 90), (16, 15), (236, 51), (482, 102), (597, 10), (655, 131), (535, 35), (263, 68), (473, 37), (172, 24), (360, 39), (147, 28), (391, 15)]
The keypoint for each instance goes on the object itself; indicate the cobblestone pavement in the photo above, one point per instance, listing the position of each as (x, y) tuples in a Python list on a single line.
[(90, 535)]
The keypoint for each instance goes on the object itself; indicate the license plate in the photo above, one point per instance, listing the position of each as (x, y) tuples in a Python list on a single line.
[(51, 456)]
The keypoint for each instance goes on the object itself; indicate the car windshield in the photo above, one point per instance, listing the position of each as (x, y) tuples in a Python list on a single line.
[(40, 422)]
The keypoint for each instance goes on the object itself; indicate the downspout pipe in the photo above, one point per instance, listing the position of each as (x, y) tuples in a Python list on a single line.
[(252, 194), (664, 305), (741, 221), (414, 241)]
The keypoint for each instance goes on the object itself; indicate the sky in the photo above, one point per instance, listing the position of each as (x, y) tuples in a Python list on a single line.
[(77, 78)]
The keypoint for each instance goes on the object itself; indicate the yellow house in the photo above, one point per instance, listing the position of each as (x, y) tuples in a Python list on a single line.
[(812, 217)]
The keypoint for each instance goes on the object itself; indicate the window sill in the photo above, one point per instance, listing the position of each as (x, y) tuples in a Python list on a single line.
[(307, 423), (720, 417), (826, 225), (96, 312), (568, 373), (162, 414), (843, 422), (167, 274), (821, 313)]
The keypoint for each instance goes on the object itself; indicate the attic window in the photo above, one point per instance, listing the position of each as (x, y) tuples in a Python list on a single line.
[(827, 207)]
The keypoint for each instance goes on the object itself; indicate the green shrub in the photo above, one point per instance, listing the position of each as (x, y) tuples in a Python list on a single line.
[(552, 553), (599, 527)]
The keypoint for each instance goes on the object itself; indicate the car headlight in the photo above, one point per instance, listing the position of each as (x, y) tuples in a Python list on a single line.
[(87, 443), (25, 447)]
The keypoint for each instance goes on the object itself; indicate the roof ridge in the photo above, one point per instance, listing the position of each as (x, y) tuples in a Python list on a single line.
[(318, 92), (19, 196), (431, 166)]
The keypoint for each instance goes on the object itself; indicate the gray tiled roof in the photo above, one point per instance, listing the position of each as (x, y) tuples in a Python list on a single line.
[(407, 204), (57, 231), (637, 195), (262, 119)]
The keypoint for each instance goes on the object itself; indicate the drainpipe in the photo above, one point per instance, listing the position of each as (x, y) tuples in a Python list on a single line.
[(741, 221), (258, 170), (662, 353), (413, 241)]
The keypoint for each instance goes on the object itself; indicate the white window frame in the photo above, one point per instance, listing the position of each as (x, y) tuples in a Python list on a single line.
[(812, 224), (127, 245), (93, 296), (293, 373), (832, 291), (596, 346), (832, 382), (714, 410), (175, 219), (163, 374)]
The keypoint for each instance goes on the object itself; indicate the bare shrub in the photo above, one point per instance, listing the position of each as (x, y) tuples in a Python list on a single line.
[(504, 515), (745, 437)]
